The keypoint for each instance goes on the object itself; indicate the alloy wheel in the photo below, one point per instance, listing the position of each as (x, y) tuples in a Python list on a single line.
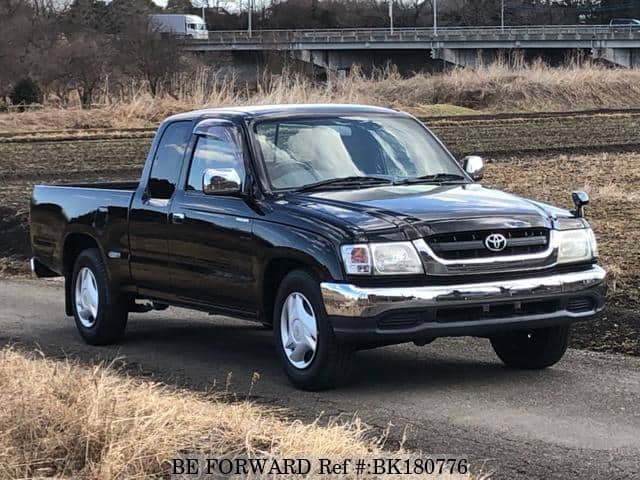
[(86, 297), (299, 330)]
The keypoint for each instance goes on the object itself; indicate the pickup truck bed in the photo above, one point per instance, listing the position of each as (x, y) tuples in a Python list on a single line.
[(58, 212)]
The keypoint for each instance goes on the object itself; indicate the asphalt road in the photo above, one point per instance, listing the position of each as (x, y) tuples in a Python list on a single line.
[(580, 419)]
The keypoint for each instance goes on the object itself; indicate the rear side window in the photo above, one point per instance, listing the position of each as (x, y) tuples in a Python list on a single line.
[(168, 160), (219, 148)]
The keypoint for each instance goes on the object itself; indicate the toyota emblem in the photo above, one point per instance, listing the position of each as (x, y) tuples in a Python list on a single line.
[(496, 242)]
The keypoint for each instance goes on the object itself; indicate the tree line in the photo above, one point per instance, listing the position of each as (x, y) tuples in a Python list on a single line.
[(291, 14), (56, 49)]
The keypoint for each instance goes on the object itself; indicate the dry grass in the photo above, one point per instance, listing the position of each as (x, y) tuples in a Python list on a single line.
[(60, 118), (499, 88), (61, 419), (493, 88)]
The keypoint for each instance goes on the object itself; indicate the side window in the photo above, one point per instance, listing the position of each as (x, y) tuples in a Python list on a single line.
[(168, 160), (219, 148)]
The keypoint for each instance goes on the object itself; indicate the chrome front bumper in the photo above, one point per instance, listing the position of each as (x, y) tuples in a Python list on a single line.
[(345, 300)]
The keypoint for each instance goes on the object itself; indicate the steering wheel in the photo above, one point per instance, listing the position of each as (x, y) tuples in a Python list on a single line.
[(280, 170)]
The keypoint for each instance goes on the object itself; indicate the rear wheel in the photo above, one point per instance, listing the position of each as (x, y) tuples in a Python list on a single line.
[(313, 359), (532, 349), (99, 310)]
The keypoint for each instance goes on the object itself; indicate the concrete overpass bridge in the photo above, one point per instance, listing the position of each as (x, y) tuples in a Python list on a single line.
[(338, 49)]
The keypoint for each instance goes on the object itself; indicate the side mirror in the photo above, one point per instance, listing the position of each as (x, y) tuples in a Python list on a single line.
[(221, 181), (474, 166), (580, 199)]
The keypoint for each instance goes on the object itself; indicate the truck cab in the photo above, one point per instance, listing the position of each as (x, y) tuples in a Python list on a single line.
[(341, 227)]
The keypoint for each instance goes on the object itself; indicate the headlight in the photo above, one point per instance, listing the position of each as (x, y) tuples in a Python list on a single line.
[(398, 258), (576, 245)]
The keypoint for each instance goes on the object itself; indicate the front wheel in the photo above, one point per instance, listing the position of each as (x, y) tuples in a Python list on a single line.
[(313, 359), (99, 311), (532, 349)]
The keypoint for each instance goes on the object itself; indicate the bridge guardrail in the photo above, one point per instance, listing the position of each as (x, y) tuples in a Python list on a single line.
[(421, 34)]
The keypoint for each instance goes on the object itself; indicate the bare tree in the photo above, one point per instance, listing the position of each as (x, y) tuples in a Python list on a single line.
[(15, 30), (180, 6), (122, 12), (89, 58), (416, 7), (145, 52)]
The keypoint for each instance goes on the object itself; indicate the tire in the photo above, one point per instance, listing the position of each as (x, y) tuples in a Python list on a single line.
[(105, 322), (329, 365), (532, 349)]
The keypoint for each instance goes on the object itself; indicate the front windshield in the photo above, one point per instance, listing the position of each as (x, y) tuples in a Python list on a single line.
[(306, 151)]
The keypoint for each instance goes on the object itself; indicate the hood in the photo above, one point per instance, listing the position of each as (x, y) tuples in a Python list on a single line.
[(413, 211)]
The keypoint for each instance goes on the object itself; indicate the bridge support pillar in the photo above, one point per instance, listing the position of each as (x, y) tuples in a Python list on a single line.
[(625, 57), (339, 61), (461, 57)]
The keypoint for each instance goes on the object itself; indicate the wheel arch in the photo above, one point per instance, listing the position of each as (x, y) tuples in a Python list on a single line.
[(73, 245), (274, 272), (290, 248)]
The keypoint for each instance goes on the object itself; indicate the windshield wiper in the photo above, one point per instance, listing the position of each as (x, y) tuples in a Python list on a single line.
[(437, 178), (346, 182)]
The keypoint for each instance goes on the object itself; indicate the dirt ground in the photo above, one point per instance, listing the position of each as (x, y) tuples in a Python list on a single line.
[(500, 136), (612, 180)]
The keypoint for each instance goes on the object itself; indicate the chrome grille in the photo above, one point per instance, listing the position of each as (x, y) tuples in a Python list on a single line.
[(471, 245)]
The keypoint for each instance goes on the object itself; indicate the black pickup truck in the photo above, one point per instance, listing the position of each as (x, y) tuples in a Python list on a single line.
[(342, 227)]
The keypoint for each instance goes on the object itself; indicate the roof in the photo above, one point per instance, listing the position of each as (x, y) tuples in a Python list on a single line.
[(278, 110)]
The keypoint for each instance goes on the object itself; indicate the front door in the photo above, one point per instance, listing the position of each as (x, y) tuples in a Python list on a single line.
[(211, 246), (149, 214)]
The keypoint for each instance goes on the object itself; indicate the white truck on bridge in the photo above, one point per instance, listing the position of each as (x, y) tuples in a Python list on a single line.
[(190, 26)]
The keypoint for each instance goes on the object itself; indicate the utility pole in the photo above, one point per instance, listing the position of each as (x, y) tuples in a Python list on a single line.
[(435, 17), (391, 15), (250, 25), (502, 15)]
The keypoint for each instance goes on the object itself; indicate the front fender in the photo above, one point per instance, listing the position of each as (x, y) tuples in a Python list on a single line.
[(280, 241)]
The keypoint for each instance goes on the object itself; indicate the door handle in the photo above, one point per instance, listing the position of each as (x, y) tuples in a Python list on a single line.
[(177, 217)]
